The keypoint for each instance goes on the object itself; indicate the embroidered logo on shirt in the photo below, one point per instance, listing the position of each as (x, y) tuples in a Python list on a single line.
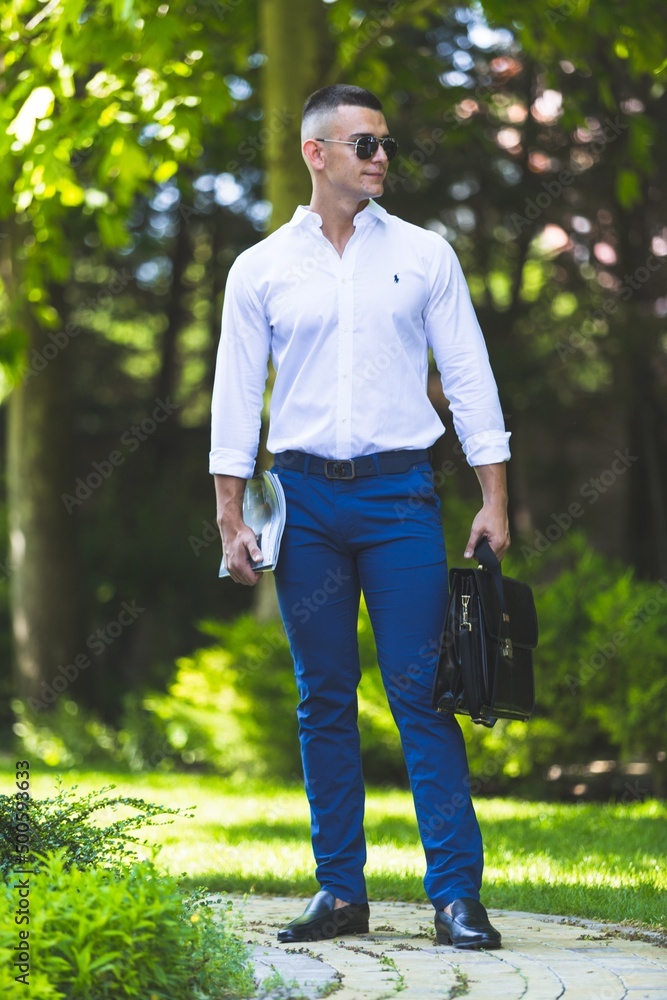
[(395, 279)]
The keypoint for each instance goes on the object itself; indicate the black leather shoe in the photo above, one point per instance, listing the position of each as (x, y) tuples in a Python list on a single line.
[(320, 921), (467, 927)]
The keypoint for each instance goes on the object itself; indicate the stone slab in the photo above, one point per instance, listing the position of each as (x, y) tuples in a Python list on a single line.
[(544, 957)]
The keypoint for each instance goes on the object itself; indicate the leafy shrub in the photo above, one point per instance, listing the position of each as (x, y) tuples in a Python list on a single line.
[(238, 696), (212, 710), (100, 935), (66, 736), (219, 959), (599, 667), (69, 735), (599, 671), (66, 823), (621, 678), (234, 704)]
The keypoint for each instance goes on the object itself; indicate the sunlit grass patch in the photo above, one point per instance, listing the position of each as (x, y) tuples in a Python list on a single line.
[(588, 860)]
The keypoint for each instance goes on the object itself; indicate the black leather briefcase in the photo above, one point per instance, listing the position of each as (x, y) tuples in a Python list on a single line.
[(485, 660)]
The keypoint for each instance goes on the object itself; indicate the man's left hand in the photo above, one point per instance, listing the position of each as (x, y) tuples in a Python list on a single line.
[(492, 518), (492, 522)]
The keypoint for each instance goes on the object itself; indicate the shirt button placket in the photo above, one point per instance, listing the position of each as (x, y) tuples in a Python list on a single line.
[(345, 355)]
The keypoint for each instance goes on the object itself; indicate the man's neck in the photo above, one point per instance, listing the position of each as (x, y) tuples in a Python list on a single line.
[(337, 219)]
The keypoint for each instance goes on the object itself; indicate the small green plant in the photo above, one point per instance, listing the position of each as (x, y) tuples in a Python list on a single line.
[(461, 986), (65, 822), (329, 988), (219, 965), (277, 987), (100, 935), (389, 965)]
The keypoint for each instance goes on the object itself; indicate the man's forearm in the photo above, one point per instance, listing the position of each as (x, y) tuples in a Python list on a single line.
[(492, 518), (238, 540), (493, 480), (229, 498)]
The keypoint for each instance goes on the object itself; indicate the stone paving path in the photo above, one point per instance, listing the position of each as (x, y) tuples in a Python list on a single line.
[(543, 958)]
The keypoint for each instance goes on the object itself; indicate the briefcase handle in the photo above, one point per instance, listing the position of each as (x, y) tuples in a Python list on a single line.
[(487, 558)]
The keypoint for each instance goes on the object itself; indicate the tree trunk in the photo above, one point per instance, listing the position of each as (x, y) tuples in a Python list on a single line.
[(294, 37), (647, 488), (638, 375), (44, 583), (167, 378)]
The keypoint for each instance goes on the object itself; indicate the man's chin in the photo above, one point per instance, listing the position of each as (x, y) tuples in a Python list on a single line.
[(376, 190)]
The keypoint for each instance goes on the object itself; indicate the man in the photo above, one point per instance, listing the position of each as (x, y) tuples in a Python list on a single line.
[(347, 299)]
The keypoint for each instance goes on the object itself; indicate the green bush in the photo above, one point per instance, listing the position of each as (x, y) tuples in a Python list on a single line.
[(66, 735), (219, 960), (622, 679), (69, 735), (233, 705), (598, 695), (599, 671), (599, 668), (99, 935), (72, 826)]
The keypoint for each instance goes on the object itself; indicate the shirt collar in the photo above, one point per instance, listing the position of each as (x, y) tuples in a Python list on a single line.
[(372, 211)]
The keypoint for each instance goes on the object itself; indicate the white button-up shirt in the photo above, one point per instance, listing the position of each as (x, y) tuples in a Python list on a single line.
[(349, 339)]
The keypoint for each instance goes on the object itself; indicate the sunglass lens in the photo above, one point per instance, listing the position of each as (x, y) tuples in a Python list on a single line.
[(390, 147), (367, 146)]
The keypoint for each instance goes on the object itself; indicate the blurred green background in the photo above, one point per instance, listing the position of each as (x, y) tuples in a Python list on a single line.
[(144, 146)]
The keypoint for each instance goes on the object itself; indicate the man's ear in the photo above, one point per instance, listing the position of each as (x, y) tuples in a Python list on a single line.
[(313, 154)]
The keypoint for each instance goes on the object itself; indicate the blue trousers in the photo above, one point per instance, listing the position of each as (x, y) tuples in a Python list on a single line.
[(382, 535)]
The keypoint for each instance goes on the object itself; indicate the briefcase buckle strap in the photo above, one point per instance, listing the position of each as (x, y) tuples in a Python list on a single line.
[(339, 469), (506, 648), (465, 623)]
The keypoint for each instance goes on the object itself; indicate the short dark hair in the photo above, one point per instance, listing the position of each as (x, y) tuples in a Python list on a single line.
[(330, 98), (320, 108)]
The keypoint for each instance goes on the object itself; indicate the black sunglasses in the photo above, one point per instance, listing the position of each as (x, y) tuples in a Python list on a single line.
[(367, 146)]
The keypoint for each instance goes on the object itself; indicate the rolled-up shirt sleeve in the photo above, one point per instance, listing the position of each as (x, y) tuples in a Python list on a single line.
[(453, 333), (240, 377)]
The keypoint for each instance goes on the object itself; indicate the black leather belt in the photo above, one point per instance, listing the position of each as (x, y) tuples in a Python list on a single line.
[(381, 464)]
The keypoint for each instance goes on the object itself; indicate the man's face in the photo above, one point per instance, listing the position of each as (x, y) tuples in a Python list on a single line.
[(343, 169)]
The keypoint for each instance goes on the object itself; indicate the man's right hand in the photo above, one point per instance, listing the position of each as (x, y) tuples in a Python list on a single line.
[(238, 540), (241, 549)]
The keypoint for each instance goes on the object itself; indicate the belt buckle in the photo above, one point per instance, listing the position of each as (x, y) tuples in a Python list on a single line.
[(339, 469)]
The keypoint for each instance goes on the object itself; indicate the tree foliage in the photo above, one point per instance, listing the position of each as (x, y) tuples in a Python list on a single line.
[(101, 102), (143, 149)]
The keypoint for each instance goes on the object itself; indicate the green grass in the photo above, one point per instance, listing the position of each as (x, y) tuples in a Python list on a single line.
[(596, 861)]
